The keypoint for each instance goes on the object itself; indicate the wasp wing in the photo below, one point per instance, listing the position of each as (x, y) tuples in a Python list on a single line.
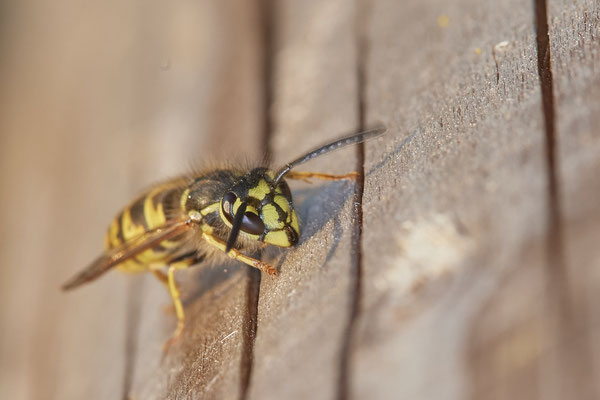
[(129, 249)]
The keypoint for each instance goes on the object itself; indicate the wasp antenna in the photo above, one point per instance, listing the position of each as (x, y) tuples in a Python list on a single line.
[(337, 144), (235, 226)]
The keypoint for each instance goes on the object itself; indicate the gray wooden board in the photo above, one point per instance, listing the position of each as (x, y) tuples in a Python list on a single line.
[(454, 202), (458, 305), (457, 297)]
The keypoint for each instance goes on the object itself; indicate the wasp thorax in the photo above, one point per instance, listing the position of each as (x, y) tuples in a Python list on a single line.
[(266, 213)]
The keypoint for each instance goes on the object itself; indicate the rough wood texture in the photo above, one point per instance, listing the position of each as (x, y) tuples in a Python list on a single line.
[(466, 268)]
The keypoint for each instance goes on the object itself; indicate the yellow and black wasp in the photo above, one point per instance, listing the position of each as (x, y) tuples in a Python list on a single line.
[(186, 220)]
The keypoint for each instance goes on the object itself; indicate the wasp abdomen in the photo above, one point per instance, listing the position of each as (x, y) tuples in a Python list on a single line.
[(147, 212)]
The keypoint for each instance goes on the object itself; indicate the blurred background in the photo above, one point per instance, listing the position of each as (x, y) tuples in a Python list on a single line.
[(99, 100)]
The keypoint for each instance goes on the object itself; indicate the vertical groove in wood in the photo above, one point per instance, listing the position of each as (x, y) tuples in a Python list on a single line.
[(556, 262), (267, 38), (301, 324), (361, 18), (249, 328)]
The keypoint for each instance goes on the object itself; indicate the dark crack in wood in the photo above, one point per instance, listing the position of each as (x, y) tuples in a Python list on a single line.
[(267, 12), (555, 242), (573, 339), (355, 292)]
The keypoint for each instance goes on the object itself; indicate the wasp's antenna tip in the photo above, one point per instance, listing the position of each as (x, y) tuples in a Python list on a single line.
[(71, 284), (375, 131)]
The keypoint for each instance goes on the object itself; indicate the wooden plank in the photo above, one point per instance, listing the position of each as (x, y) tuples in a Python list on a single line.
[(454, 299), (303, 313), (128, 93), (459, 294)]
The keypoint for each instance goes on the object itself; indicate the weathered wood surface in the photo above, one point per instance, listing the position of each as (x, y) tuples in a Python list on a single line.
[(466, 277)]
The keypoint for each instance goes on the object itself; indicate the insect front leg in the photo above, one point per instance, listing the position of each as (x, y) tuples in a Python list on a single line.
[(234, 253), (305, 176), (161, 276)]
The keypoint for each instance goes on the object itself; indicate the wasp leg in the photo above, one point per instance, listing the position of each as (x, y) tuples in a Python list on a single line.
[(234, 253), (164, 279), (161, 276), (176, 296), (305, 176), (169, 280)]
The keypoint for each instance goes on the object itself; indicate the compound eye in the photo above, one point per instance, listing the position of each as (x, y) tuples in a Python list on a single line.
[(251, 223), (227, 206)]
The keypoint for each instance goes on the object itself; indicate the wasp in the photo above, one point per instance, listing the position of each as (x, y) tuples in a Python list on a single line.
[(187, 220)]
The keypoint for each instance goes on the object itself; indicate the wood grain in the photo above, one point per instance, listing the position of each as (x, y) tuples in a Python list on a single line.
[(451, 199), (470, 273)]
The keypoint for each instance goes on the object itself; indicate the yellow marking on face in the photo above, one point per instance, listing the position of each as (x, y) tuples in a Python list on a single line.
[(250, 235), (278, 238), (210, 209), (283, 203), (260, 190), (128, 227), (271, 217), (236, 204), (249, 208), (223, 218)]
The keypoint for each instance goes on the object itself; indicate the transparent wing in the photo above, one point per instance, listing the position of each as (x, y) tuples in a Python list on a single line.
[(131, 248)]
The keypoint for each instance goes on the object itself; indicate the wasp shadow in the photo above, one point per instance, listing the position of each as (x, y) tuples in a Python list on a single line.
[(206, 276), (316, 206), (392, 155)]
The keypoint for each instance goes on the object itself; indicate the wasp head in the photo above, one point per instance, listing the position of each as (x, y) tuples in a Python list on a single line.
[(260, 210)]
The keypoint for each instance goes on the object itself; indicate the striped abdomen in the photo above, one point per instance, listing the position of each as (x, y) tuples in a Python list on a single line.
[(147, 212)]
